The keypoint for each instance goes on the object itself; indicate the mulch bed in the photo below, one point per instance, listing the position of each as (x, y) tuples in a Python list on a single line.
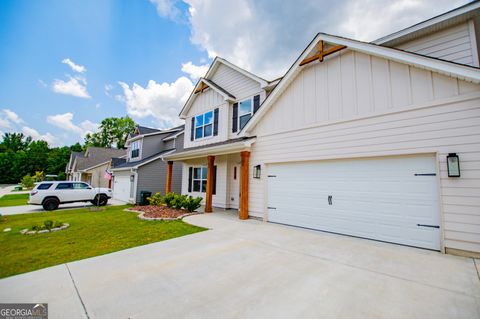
[(151, 211)]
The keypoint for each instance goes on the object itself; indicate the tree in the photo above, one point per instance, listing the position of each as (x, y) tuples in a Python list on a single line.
[(27, 181), (14, 142), (112, 131)]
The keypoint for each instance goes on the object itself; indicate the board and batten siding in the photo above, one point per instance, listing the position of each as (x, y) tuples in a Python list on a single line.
[(206, 101), (457, 44), (356, 105)]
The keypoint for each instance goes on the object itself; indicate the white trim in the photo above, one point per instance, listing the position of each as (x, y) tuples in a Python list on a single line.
[(195, 138), (160, 156), (473, 42), (173, 136), (428, 23), (193, 95), (443, 67), (214, 150), (128, 141), (263, 83)]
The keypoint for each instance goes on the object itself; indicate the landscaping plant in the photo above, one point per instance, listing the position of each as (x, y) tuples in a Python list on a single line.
[(155, 200), (192, 203), (179, 201), (169, 199), (27, 181)]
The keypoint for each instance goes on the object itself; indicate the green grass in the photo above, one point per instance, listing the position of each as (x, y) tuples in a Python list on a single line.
[(13, 200), (91, 233)]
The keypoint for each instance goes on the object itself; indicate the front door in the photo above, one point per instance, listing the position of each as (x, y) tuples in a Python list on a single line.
[(234, 180)]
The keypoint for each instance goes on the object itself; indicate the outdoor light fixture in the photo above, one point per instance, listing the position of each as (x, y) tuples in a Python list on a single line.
[(453, 165), (257, 169)]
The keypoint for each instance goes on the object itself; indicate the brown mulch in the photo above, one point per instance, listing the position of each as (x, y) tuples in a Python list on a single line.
[(152, 211)]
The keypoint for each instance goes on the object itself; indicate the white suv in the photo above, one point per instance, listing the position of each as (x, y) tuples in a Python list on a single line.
[(52, 194)]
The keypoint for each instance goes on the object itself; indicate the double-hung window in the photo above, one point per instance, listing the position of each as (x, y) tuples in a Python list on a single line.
[(204, 125), (200, 179), (135, 149), (244, 112)]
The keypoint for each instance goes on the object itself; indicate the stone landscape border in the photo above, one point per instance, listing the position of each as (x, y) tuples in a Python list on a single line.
[(43, 231), (141, 215)]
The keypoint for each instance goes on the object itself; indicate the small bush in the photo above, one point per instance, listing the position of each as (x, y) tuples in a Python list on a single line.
[(27, 181), (169, 199), (191, 203), (48, 224), (179, 201), (155, 200)]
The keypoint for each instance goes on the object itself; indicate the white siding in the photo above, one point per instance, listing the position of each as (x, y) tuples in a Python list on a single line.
[(455, 44), (235, 83), (220, 198), (207, 101), (398, 110)]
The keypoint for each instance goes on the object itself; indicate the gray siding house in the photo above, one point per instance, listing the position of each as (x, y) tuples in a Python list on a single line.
[(144, 168)]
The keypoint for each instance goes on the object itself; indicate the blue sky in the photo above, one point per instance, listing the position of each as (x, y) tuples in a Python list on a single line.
[(142, 58)]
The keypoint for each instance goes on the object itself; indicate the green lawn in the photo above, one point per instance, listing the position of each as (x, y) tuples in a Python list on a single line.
[(91, 233), (13, 200)]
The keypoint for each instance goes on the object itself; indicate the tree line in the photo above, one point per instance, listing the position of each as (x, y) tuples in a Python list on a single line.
[(21, 156)]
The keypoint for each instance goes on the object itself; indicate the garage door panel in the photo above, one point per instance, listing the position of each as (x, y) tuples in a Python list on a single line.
[(121, 188), (373, 198)]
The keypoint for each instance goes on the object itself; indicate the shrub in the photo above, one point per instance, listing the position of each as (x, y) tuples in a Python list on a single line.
[(155, 199), (168, 199), (191, 203), (179, 201), (61, 176), (27, 181), (38, 176), (48, 224)]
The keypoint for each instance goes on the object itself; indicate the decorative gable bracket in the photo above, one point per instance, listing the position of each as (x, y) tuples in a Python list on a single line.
[(322, 52)]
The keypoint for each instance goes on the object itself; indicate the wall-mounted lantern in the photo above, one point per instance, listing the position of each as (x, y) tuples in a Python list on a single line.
[(453, 165), (257, 170)]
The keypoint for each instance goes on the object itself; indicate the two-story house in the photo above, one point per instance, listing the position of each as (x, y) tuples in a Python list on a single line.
[(375, 140), (144, 168), (219, 107)]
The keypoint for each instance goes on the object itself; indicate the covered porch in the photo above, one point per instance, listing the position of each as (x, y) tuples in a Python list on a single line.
[(218, 172)]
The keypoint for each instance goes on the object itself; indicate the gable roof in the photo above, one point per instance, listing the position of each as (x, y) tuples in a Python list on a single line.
[(95, 156), (452, 69), (119, 166), (447, 19), (264, 84)]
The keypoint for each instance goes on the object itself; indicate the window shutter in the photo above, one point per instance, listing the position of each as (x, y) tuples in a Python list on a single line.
[(190, 177), (256, 103), (215, 122), (235, 118), (214, 180), (192, 129)]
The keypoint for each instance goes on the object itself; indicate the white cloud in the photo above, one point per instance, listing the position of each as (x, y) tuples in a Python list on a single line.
[(35, 135), (64, 121), (75, 86), (162, 101), (107, 89), (12, 116), (4, 123), (73, 66), (265, 37), (194, 71), (166, 8)]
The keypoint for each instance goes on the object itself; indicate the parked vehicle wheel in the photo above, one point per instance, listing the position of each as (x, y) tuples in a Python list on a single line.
[(50, 204), (100, 200)]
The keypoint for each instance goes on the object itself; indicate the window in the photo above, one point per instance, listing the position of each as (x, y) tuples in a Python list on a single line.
[(204, 125), (80, 186), (244, 112), (135, 149), (200, 179), (44, 186), (64, 186)]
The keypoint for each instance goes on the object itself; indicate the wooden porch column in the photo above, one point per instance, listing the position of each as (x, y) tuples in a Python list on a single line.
[(208, 196), (244, 184), (168, 185)]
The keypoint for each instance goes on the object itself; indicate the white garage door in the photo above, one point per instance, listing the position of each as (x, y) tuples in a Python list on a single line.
[(121, 188), (392, 199)]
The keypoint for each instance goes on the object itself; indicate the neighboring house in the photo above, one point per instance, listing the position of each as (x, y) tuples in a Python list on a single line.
[(144, 169), (69, 168), (92, 165), (353, 139)]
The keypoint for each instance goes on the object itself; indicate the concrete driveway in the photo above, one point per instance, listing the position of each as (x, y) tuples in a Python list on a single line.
[(253, 269)]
